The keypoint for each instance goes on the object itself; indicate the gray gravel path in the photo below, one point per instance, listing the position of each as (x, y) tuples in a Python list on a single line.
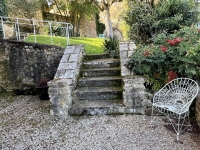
[(25, 124)]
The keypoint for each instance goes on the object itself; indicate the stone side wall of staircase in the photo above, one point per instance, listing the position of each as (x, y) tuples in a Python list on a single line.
[(134, 91), (61, 88)]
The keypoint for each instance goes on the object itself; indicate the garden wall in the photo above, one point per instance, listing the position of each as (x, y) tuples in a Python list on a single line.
[(197, 114), (27, 63)]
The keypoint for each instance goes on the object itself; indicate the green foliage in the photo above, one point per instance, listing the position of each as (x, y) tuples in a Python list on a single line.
[(24, 8), (170, 56), (55, 29), (100, 27), (74, 12), (146, 20), (3, 12), (3, 9), (111, 46)]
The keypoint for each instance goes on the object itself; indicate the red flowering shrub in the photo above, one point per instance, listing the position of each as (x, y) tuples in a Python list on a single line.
[(171, 56)]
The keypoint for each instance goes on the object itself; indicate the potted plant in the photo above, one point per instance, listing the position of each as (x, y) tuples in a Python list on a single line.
[(42, 89)]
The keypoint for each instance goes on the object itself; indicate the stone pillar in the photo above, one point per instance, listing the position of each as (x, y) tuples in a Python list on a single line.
[(62, 87), (134, 91), (197, 112)]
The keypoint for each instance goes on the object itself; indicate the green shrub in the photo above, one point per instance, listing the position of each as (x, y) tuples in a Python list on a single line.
[(147, 20), (170, 56), (111, 46)]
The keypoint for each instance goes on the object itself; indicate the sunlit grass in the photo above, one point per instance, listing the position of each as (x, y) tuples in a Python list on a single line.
[(92, 45)]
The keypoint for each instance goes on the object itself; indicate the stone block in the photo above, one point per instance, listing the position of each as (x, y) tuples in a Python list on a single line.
[(67, 66), (73, 57), (60, 73), (65, 58), (123, 54), (69, 74), (124, 61), (53, 90), (123, 46), (125, 71), (77, 50), (132, 46), (133, 80), (69, 50), (62, 66)]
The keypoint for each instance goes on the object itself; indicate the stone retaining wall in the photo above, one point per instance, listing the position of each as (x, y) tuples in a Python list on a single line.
[(28, 63), (197, 114), (134, 91), (62, 87)]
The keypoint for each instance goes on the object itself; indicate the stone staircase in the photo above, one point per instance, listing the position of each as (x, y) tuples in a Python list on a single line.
[(99, 89)]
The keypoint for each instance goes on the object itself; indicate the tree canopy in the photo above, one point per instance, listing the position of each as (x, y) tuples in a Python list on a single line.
[(146, 19)]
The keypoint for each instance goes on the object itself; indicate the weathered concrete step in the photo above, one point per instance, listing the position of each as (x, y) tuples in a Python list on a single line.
[(103, 107), (101, 63), (104, 81), (94, 107), (96, 56), (98, 93), (95, 72)]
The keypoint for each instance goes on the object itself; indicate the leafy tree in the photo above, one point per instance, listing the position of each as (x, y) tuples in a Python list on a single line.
[(74, 11), (3, 12), (100, 27), (149, 18), (104, 6), (24, 8)]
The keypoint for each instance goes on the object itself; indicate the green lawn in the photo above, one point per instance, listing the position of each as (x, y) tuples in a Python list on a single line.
[(92, 45)]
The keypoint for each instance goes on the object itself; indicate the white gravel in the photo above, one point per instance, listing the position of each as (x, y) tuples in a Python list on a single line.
[(25, 124)]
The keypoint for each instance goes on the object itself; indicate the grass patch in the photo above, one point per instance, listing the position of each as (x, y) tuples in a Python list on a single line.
[(92, 45)]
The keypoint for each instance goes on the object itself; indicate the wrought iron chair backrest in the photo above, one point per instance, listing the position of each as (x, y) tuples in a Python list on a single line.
[(181, 90)]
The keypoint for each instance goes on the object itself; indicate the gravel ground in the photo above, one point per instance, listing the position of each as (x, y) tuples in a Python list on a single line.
[(25, 124)]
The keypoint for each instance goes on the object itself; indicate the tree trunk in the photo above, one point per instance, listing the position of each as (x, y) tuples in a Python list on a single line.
[(108, 24)]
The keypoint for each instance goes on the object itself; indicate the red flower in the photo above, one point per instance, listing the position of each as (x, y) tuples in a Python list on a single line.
[(163, 48), (171, 75), (175, 41), (146, 53)]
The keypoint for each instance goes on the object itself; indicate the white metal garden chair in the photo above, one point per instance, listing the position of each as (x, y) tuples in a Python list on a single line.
[(173, 101)]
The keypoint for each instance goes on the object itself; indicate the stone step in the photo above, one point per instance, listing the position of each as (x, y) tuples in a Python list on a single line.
[(94, 107), (103, 107), (101, 63), (95, 57), (98, 93), (104, 81), (95, 72)]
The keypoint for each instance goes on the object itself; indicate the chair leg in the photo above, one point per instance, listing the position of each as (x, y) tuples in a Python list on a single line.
[(153, 117)]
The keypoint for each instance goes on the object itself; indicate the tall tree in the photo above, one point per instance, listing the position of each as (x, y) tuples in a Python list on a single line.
[(3, 12), (104, 6), (74, 11), (24, 8)]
